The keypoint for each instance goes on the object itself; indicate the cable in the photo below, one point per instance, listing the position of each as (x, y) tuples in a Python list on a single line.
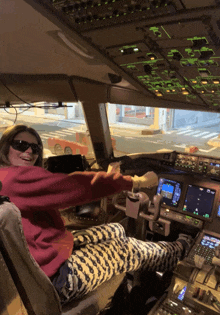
[(16, 95), (16, 112)]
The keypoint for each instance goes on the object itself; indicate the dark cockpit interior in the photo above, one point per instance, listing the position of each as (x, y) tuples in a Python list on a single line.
[(156, 53)]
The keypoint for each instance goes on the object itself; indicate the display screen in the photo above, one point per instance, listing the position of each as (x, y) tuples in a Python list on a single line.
[(218, 214), (199, 201), (215, 164), (170, 190), (182, 294), (210, 241)]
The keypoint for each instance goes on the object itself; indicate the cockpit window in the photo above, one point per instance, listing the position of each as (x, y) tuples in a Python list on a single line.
[(62, 127), (134, 129), (139, 129)]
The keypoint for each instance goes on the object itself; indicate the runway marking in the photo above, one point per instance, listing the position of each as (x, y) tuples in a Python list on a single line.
[(68, 132), (192, 132), (180, 146), (200, 134), (208, 150), (153, 141), (210, 135), (182, 132), (63, 133), (51, 134)]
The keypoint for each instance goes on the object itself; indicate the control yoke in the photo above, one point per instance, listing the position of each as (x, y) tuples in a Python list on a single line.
[(138, 204)]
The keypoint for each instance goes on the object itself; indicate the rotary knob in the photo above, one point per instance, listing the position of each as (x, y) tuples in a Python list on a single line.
[(213, 171)]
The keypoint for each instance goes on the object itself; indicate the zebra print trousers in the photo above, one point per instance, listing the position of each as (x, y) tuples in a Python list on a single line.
[(104, 251)]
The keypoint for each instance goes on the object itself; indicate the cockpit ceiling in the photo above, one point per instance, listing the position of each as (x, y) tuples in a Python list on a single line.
[(169, 51)]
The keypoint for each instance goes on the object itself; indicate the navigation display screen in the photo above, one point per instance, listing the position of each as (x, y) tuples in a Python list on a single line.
[(182, 294), (170, 190), (199, 201), (210, 241)]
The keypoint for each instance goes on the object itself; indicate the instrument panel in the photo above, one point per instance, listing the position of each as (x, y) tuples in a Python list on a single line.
[(189, 184), (188, 200)]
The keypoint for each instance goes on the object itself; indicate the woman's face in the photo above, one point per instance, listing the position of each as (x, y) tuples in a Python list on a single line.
[(26, 158)]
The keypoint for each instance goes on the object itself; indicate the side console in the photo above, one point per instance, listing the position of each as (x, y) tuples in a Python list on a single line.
[(195, 286)]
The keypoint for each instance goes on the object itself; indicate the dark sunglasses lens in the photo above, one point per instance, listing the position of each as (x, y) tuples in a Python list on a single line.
[(35, 148), (22, 146)]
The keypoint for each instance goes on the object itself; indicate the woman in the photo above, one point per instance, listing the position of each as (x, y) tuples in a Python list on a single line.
[(102, 251)]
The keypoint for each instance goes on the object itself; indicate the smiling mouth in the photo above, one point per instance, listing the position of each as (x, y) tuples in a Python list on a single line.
[(26, 159)]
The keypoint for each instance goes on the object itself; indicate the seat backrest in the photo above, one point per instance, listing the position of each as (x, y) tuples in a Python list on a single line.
[(29, 285), (38, 293), (10, 300)]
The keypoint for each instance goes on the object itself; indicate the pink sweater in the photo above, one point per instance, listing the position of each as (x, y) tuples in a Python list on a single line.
[(40, 194)]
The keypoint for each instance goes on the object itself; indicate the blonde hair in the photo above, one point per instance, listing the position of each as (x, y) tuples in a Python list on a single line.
[(7, 138)]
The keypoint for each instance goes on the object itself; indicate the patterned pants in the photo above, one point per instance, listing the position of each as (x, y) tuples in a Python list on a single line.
[(104, 251)]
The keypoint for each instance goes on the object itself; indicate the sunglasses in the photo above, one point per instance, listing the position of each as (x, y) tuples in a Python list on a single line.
[(22, 146)]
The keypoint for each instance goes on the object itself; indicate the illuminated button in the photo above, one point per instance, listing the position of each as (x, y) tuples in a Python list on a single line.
[(196, 222), (204, 81), (216, 81), (185, 92)]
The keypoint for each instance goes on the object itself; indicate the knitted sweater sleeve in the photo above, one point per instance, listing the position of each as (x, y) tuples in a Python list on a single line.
[(34, 187)]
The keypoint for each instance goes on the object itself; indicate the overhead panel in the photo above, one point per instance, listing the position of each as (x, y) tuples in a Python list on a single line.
[(171, 48)]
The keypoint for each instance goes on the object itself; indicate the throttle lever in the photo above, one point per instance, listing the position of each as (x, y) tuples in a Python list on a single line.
[(157, 200), (134, 203)]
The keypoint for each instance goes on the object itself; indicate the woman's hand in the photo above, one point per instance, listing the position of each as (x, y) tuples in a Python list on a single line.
[(148, 180)]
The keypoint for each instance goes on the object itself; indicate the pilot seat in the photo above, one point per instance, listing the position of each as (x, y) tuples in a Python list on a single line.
[(24, 287)]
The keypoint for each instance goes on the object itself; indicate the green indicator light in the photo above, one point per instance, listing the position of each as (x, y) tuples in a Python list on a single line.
[(205, 49), (154, 28), (197, 38)]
